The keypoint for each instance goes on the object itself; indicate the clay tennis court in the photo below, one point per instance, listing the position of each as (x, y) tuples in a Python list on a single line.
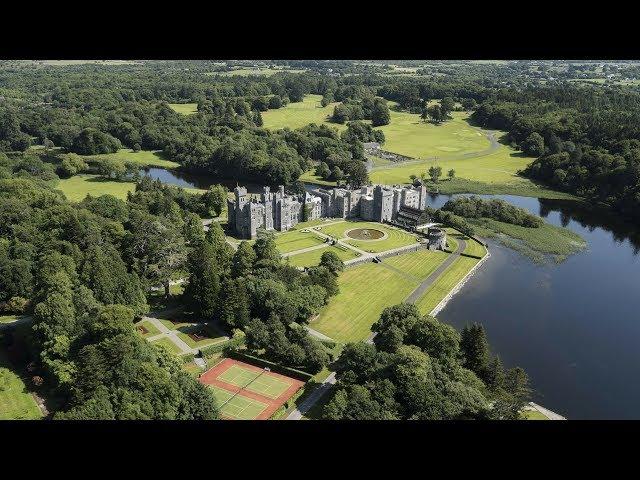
[(247, 392)]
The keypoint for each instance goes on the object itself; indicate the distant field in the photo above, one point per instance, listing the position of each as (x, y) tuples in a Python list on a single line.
[(254, 71), (184, 108), (297, 115), (78, 186), (312, 258), (445, 283), (144, 158), (365, 291), (310, 177)]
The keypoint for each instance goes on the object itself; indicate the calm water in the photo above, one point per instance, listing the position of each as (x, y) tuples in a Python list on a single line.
[(574, 327)]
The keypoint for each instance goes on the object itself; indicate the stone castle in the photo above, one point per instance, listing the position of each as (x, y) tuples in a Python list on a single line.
[(279, 211)]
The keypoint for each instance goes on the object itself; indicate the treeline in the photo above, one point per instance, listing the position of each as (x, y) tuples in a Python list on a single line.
[(476, 207), (586, 139), (253, 290), (84, 271), (420, 369)]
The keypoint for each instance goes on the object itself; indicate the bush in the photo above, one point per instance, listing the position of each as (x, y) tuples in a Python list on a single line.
[(16, 305), (209, 351), (188, 358)]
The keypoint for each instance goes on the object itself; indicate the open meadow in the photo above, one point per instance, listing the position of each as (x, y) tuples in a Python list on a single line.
[(184, 108), (144, 158), (299, 114)]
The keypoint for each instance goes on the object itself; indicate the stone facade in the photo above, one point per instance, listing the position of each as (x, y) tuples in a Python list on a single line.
[(278, 211), (437, 239)]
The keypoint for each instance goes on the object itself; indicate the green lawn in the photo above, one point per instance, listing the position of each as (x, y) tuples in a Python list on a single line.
[(445, 283), (297, 239), (408, 135), (79, 186), (168, 344), (395, 237), (365, 291), (519, 186), (475, 248), (312, 258), (533, 415), (150, 327), (420, 264), (192, 369), (184, 108), (15, 402), (200, 343), (174, 326), (9, 318), (144, 158), (310, 177), (297, 115)]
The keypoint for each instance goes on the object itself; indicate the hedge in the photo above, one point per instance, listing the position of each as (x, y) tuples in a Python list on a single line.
[(274, 367), (187, 357)]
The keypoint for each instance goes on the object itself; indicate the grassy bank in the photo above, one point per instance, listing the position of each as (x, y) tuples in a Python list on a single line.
[(536, 243), (144, 158), (520, 186)]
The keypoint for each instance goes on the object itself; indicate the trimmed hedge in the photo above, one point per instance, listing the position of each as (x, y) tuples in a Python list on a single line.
[(274, 367)]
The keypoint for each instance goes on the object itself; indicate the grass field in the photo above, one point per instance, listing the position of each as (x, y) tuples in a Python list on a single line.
[(445, 283), (519, 186), (79, 186), (312, 258), (168, 344), (9, 318), (267, 72), (395, 237), (144, 158), (419, 264), (310, 177), (296, 240), (200, 343), (365, 291), (475, 248), (15, 402), (184, 108), (150, 327), (533, 415), (297, 115)]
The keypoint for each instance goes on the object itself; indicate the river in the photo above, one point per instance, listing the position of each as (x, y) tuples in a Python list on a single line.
[(574, 327)]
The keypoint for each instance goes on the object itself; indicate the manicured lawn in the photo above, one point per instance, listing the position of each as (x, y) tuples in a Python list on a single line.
[(79, 186), (420, 264), (445, 283), (297, 115), (174, 326), (310, 177), (312, 258), (381, 162), (408, 135), (533, 415), (144, 158), (297, 239), (365, 291), (499, 167), (183, 335), (149, 327), (520, 186), (15, 402), (192, 369), (168, 344), (395, 237), (475, 248), (184, 108)]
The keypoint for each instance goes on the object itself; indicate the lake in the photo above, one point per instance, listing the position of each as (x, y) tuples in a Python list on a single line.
[(574, 327)]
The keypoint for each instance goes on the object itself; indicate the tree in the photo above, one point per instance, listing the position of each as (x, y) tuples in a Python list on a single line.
[(325, 278), (243, 260), (322, 170), (215, 199), (475, 349), (357, 173), (265, 249), (234, 304), (203, 285), (435, 113), (71, 164), (336, 174), (380, 113), (111, 168), (275, 102), (93, 142), (435, 172), (332, 262), (451, 174), (257, 118), (534, 145), (446, 106)]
